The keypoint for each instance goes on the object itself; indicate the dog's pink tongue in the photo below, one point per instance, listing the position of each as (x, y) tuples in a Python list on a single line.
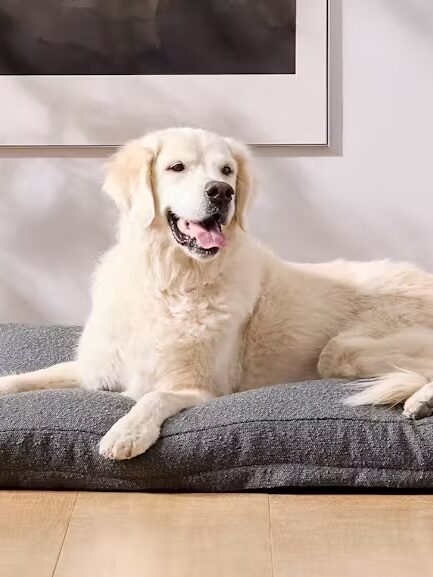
[(205, 237)]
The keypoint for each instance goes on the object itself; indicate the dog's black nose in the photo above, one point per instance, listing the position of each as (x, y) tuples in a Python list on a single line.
[(219, 192)]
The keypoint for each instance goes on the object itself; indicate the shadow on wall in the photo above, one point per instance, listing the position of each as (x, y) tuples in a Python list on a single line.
[(52, 233), (289, 220), (417, 14)]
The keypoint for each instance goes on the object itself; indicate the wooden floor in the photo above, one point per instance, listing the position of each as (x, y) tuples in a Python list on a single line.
[(70, 534)]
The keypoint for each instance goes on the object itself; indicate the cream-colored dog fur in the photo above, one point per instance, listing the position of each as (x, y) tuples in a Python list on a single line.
[(171, 330)]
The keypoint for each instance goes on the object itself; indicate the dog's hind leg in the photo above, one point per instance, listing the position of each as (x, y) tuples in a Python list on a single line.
[(399, 367), (60, 376), (420, 404)]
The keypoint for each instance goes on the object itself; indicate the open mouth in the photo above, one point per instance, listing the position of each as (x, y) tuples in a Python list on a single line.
[(203, 238)]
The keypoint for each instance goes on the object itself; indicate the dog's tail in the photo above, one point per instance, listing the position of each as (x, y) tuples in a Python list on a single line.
[(61, 376), (389, 389)]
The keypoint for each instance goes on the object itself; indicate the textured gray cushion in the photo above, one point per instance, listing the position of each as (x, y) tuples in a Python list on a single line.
[(282, 436)]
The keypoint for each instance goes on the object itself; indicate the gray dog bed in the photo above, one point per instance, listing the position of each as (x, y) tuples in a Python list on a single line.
[(297, 435)]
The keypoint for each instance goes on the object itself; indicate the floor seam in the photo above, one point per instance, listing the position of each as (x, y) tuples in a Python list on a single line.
[(270, 536), (66, 532)]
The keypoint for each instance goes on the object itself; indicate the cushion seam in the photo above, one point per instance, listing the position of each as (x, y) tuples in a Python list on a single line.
[(400, 423)]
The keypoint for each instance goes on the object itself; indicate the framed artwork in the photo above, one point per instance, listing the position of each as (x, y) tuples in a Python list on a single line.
[(98, 72)]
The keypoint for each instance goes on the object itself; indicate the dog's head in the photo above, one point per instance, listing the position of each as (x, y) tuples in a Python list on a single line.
[(194, 183)]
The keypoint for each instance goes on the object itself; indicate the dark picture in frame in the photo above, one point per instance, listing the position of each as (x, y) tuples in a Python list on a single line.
[(140, 37)]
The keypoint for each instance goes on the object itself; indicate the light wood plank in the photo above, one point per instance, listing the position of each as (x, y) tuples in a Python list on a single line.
[(32, 528), (356, 535), (165, 535)]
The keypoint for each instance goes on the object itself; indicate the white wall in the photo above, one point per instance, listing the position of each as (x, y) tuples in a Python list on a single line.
[(369, 196)]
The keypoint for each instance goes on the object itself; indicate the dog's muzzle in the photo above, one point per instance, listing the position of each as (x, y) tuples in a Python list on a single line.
[(205, 237)]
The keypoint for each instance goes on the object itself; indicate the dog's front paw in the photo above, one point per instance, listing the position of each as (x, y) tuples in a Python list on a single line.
[(126, 439)]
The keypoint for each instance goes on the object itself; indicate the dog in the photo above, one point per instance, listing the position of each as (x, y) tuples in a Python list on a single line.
[(187, 306)]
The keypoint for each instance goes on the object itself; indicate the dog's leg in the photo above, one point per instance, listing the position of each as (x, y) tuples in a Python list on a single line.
[(60, 376), (420, 404), (399, 365), (134, 433), (182, 379)]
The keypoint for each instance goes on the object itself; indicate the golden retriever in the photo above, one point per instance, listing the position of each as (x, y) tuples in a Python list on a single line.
[(187, 306)]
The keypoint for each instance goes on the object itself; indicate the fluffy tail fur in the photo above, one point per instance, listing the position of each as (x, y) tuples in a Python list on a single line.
[(390, 389)]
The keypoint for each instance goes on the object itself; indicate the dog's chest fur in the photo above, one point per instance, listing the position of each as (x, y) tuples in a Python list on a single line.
[(141, 327)]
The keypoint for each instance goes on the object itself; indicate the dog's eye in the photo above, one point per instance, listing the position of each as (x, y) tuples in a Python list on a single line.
[(226, 170), (177, 167)]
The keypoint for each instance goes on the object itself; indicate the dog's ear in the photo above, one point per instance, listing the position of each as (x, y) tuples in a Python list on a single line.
[(129, 176), (244, 181)]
